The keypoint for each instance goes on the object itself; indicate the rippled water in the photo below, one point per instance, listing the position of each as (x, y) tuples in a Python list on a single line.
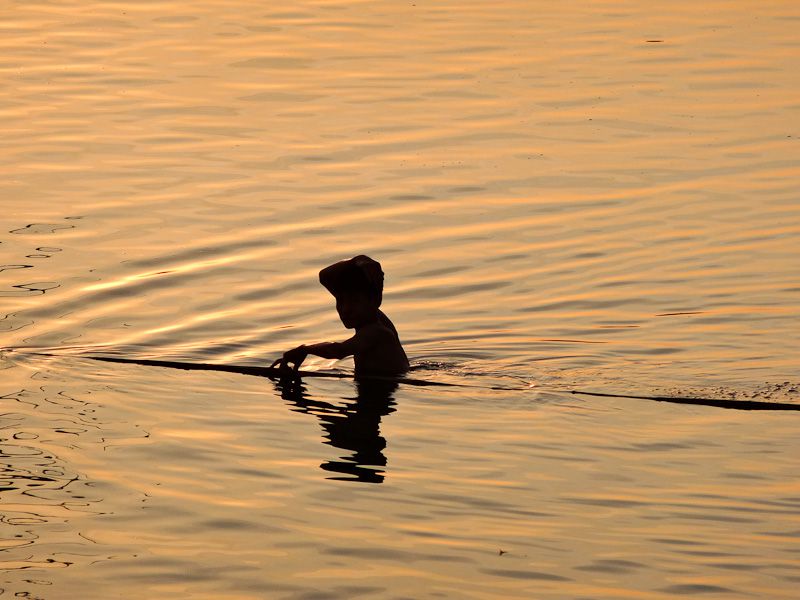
[(599, 197)]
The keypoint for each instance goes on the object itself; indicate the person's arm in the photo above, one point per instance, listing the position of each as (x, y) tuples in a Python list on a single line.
[(358, 343), (329, 349)]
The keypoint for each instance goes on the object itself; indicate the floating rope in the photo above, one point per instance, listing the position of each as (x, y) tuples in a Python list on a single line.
[(277, 373)]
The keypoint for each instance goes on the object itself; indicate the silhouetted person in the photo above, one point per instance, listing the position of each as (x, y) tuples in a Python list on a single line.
[(357, 285), (354, 426)]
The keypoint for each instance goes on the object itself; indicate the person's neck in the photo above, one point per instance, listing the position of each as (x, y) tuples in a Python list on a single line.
[(374, 318)]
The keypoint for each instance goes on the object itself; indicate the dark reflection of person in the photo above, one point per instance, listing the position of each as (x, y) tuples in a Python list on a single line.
[(353, 426)]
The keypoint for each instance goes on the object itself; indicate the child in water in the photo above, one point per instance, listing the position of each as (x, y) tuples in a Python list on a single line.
[(357, 285)]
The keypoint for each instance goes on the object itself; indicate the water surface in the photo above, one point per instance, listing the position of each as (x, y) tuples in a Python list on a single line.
[(598, 197)]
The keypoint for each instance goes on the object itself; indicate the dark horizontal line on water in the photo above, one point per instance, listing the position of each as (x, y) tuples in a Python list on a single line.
[(276, 373), (573, 341), (719, 403), (270, 372)]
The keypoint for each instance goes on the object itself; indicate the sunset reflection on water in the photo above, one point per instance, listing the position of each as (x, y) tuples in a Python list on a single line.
[(597, 196)]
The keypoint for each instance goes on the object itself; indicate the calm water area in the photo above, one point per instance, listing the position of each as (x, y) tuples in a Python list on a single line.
[(598, 196)]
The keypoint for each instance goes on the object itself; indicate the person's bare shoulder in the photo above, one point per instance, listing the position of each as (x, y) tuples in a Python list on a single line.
[(372, 334), (380, 351)]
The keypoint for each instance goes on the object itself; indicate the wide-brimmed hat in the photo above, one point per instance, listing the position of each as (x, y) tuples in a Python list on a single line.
[(357, 273)]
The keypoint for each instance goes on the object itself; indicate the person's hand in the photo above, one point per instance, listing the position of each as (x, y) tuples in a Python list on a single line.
[(295, 356)]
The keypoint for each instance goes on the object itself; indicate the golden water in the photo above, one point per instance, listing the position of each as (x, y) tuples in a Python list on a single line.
[(598, 195)]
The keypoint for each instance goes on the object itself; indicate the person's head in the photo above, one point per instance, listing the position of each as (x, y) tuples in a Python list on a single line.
[(356, 308), (357, 285)]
